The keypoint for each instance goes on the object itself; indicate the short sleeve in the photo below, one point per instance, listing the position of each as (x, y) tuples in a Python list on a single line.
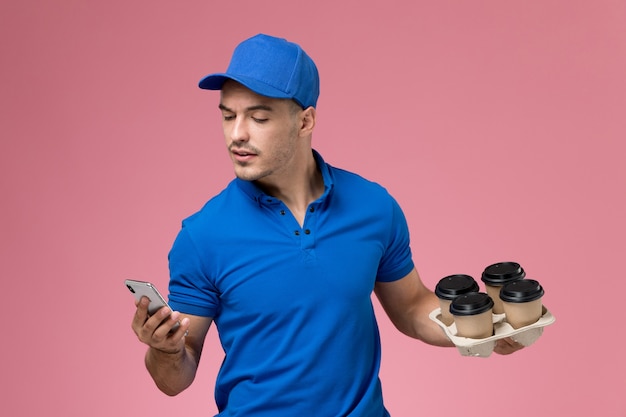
[(191, 288), (397, 260)]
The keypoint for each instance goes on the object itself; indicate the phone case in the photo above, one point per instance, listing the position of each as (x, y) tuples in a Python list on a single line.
[(142, 288)]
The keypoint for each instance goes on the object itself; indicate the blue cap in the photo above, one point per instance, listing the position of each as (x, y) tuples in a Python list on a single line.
[(271, 67)]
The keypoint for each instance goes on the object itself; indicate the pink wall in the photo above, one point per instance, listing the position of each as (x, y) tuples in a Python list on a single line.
[(498, 125)]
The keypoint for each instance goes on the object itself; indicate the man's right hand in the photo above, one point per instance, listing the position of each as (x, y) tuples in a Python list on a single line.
[(156, 330)]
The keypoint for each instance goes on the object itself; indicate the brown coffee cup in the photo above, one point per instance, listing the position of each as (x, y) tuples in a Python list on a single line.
[(522, 302), (450, 287), (498, 275), (473, 315)]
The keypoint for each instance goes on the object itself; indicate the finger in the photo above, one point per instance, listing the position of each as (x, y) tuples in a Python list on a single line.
[(506, 346), (160, 316), (141, 314), (180, 332), (167, 319), (513, 343), (145, 324), (170, 335)]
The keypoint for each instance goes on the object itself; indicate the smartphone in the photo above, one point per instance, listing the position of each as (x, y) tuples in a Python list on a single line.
[(143, 288)]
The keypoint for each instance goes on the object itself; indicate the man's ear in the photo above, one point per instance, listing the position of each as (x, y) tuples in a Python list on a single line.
[(307, 120)]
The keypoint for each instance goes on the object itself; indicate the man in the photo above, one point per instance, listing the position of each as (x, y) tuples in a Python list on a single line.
[(285, 259)]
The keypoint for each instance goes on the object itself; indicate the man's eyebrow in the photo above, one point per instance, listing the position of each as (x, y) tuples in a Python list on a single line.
[(251, 108)]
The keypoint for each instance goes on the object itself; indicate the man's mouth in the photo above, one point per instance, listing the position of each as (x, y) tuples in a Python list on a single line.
[(243, 155)]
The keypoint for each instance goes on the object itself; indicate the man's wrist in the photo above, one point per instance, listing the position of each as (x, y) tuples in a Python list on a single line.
[(173, 355)]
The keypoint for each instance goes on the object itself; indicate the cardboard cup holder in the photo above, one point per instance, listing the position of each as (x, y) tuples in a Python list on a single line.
[(466, 346)]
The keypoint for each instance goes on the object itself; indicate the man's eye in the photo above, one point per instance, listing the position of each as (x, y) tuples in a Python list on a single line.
[(228, 117), (259, 120)]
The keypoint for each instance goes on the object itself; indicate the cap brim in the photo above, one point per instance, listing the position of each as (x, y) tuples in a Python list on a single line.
[(216, 81), (213, 81)]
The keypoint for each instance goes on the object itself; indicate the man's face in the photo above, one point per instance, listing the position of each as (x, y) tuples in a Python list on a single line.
[(261, 133)]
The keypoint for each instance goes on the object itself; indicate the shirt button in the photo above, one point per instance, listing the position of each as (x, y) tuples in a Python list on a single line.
[(297, 233), (307, 231), (282, 212), (312, 209)]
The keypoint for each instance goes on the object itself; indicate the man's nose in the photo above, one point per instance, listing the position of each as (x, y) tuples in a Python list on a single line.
[(239, 131)]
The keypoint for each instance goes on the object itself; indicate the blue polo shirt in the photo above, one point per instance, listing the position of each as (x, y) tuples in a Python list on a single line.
[(292, 305)]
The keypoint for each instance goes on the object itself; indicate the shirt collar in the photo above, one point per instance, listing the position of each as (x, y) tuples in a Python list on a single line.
[(254, 192)]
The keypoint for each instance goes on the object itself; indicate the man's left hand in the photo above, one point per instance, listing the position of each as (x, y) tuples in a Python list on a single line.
[(506, 346)]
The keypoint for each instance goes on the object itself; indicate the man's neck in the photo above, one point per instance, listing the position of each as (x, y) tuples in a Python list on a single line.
[(298, 190)]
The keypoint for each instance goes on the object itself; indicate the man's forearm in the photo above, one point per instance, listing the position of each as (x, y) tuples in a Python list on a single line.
[(171, 372), (427, 330)]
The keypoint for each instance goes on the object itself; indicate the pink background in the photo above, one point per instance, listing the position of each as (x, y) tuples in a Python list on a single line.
[(498, 125)]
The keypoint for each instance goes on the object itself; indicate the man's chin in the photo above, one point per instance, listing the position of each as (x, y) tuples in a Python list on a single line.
[(247, 175)]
